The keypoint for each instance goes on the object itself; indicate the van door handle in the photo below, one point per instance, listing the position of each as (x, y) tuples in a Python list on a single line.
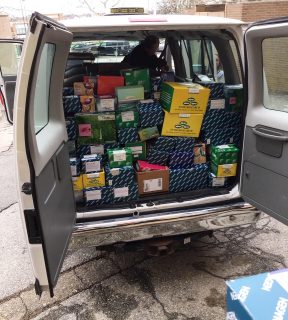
[(275, 136)]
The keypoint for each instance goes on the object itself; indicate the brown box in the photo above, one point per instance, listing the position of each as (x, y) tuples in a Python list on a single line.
[(150, 182)]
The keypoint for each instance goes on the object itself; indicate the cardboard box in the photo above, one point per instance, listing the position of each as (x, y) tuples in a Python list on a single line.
[(125, 193), (91, 79), (233, 97), (88, 104), (165, 143), (96, 179), (142, 166), (118, 177), (218, 182), (97, 196), (107, 85), (158, 157), (183, 160), (71, 105), (224, 170), (71, 145), (91, 163), (84, 88), (150, 114), (182, 125), (184, 97), (220, 136), (137, 77), (263, 296), (120, 157), (138, 150), (129, 93), (150, 182), (71, 128), (105, 103), (148, 133), (216, 89), (127, 117), (75, 167), (194, 178), (215, 119), (224, 154), (68, 91), (127, 135), (184, 144), (199, 151), (78, 188)]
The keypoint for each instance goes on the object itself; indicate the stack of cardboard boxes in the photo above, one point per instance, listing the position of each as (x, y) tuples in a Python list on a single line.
[(127, 140)]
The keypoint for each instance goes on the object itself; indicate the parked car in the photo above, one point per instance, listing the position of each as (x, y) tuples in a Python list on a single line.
[(10, 52), (51, 220)]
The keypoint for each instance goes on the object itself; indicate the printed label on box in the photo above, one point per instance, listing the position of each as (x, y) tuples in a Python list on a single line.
[(184, 115), (218, 182), (121, 192), (193, 90), (106, 117), (119, 155), (217, 104), (115, 171), (97, 149), (92, 166), (107, 104), (93, 195), (136, 149), (85, 130), (232, 100), (127, 116), (73, 170), (93, 175), (153, 185)]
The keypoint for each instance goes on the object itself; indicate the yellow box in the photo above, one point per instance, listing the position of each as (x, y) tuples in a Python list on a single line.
[(91, 180), (184, 97), (182, 124), (224, 170), (77, 183)]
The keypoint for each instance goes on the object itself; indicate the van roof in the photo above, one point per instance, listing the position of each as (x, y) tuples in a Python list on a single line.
[(148, 22)]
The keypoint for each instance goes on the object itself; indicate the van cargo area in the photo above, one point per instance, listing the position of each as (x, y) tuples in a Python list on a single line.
[(142, 142)]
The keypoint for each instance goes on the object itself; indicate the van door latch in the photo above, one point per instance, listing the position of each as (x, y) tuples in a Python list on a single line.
[(27, 188)]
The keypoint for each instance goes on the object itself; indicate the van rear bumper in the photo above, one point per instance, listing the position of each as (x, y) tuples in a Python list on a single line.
[(108, 232)]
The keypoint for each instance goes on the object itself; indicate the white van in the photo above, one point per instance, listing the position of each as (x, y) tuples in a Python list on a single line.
[(51, 220)]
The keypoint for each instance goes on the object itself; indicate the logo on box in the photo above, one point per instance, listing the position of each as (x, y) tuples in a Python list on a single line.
[(182, 125)]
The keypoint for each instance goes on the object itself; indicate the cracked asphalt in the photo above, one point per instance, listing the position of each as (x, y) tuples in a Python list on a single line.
[(188, 284)]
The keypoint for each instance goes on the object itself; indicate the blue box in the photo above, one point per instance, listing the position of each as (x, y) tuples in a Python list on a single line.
[(216, 182), (156, 84), (150, 114), (125, 193), (75, 166), (68, 91), (118, 177), (165, 144), (71, 144), (184, 144), (91, 163), (127, 135), (97, 196), (183, 160), (260, 297), (189, 179), (158, 157), (214, 119), (219, 136), (71, 105), (233, 119), (71, 129), (217, 89)]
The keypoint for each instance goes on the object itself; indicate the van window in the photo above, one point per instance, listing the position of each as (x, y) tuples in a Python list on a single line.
[(275, 73), (200, 57), (9, 58), (42, 90)]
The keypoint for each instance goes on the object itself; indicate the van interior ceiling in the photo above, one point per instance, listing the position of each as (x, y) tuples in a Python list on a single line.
[(191, 55)]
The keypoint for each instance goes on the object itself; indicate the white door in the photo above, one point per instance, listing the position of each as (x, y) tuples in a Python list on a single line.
[(43, 171), (264, 174)]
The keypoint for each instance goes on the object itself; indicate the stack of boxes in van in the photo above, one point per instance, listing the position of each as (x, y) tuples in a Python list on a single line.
[(123, 146)]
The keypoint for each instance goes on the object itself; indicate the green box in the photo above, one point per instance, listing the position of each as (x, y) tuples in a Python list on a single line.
[(129, 93), (127, 116), (233, 97), (224, 154), (140, 77), (96, 128), (138, 150), (119, 158), (148, 133)]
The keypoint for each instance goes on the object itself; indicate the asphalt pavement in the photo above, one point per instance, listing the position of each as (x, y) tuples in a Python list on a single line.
[(188, 284)]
